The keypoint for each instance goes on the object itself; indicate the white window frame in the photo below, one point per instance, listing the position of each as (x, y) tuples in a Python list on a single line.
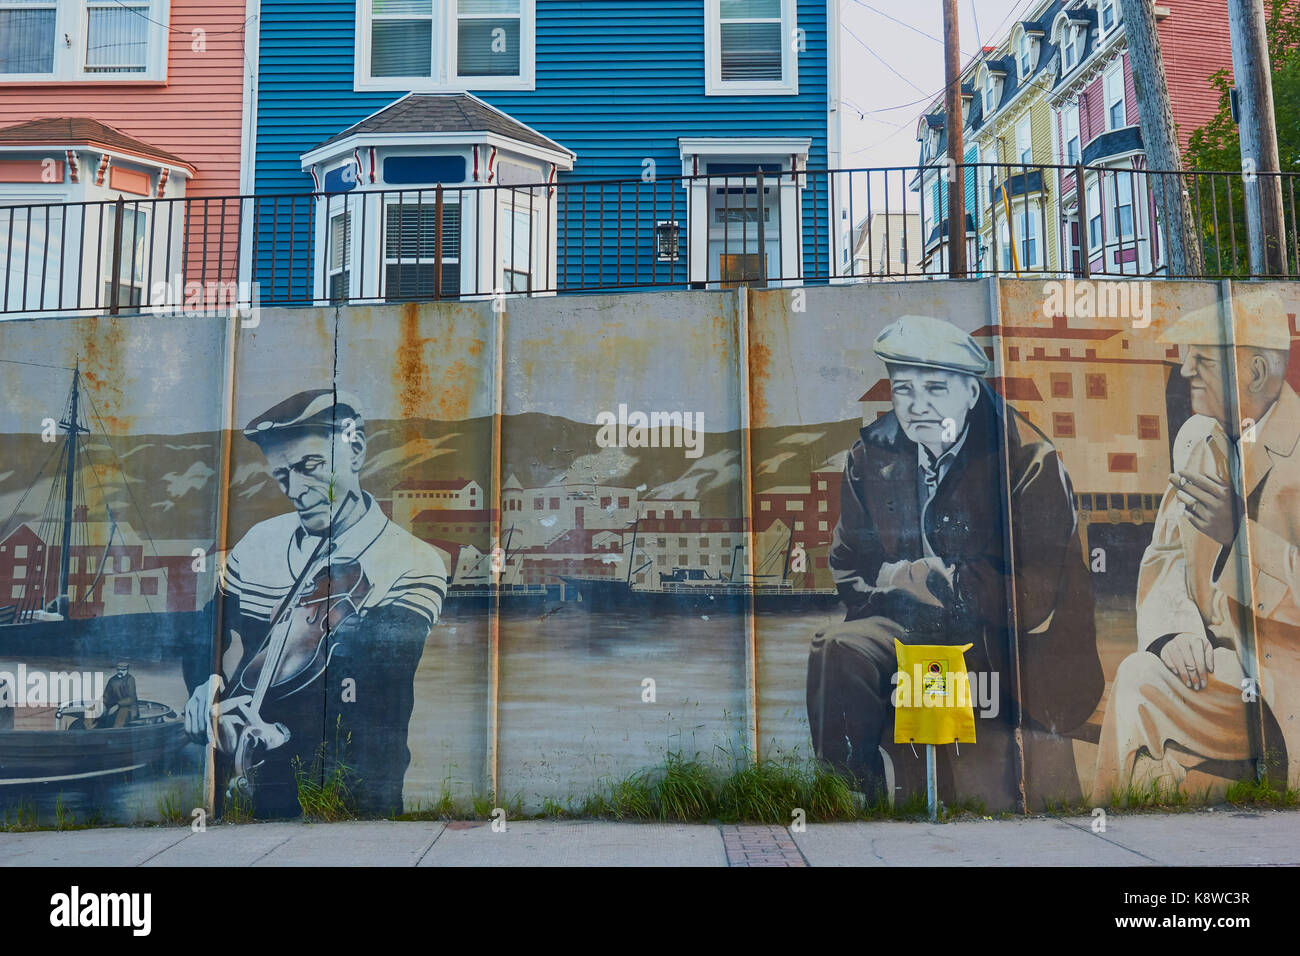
[(1124, 181), (1116, 71), (1072, 134), (1024, 126), (1104, 7), (714, 85), (1070, 52), (990, 94), (72, 20), (443, 63), (1095, 212), (1025, 55)]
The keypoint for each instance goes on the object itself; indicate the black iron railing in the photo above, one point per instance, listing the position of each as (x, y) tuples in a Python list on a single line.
[(765, 227)]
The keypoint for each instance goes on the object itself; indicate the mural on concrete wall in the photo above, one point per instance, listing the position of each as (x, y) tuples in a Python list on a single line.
[(460, 549)]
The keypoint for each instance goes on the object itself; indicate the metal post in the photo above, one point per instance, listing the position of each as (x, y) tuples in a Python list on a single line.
[(931, 786), (115, 280)]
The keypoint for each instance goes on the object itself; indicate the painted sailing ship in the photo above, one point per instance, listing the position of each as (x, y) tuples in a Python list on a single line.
[(55, 615)]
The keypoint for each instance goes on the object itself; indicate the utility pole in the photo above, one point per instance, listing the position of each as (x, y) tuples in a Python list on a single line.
[(1159, 137), (956, 175), (1257, 126)]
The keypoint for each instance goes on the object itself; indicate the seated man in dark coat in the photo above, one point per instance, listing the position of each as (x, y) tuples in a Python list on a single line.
[(924, 553), (120, 701)]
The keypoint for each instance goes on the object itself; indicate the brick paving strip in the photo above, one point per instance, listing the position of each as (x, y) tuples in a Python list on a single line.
[(760, 846)]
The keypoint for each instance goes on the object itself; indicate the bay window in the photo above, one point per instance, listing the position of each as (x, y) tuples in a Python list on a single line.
[(750, 47), (83, 40), (436, 45)]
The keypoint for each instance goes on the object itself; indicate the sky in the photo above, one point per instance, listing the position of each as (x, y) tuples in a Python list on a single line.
[(891, 53)]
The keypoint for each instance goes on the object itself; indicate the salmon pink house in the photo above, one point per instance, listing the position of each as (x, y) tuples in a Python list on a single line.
[(111, 114)]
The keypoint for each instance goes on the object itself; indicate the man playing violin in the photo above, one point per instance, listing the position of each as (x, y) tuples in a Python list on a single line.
[(331, 604)]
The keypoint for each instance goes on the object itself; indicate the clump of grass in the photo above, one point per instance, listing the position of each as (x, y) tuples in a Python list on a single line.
[(64, 818), (237, 808), (20, 818), (324, 787), (765, 792), (1261, 793), (685, 790), (444, 808), (553, 810), (631, 798), (171, 808)]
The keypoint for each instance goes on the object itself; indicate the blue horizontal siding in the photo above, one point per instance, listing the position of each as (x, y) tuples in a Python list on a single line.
[(618, 81)]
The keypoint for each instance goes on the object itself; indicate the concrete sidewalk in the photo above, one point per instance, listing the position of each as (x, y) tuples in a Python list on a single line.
[(1214, 838)]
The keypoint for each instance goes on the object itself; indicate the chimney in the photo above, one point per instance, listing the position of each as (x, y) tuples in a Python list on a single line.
[(81, 513)]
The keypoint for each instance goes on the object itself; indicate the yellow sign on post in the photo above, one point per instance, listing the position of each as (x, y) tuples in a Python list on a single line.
[(932, 700)]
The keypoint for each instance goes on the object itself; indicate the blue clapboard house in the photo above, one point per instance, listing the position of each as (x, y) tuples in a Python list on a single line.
[(420, 148)]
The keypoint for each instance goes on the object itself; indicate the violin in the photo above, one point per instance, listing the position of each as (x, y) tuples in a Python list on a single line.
[(325, 596)]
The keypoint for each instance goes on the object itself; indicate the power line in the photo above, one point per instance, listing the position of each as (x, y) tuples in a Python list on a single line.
[(882, 60), (171, 29)]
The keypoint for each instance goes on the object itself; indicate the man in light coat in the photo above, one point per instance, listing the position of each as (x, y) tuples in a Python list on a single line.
[(1218, 604)]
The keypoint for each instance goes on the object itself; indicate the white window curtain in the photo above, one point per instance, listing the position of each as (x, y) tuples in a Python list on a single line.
[(750, 40), (401, 38), (488, 37), (26, 36), (117, 37)]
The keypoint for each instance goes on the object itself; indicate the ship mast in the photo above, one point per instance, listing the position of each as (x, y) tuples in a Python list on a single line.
[(73, 428)]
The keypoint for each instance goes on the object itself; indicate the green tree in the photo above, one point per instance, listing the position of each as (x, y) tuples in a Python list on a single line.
[(1218, 200)]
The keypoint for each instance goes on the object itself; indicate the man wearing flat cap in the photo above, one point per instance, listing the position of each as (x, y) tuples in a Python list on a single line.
[(1218, 603), (331, 603), (921, 555)]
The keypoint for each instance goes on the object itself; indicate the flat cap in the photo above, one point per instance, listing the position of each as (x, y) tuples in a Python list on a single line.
[(315, 408), (1259, 320), (931, 343)]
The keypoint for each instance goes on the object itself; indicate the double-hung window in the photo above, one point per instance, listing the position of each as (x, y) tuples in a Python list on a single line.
[(339, 267), (1108, 15), (1071, 47), (83, 40), (1116, 117), (1024, 140), (1026, 54), (1072, 151), (751, 47), (1092, 198), (434, 45), (1123, 219)]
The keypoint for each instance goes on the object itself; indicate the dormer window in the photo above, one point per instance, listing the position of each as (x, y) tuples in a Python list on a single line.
[(1026, 58), (1109, 16), (990, 94)]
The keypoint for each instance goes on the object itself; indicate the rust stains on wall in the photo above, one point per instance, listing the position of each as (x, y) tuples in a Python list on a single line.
[(437, 375), (101, 350)]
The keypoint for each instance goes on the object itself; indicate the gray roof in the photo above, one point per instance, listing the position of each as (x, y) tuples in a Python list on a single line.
[(445, 113)]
